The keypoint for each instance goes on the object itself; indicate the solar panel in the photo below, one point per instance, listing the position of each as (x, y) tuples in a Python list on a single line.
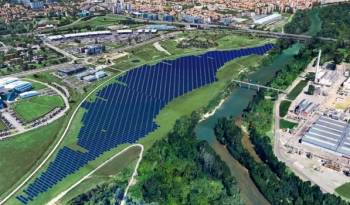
[(126, 113)]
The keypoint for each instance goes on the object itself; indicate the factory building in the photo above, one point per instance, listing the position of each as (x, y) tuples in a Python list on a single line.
[(94, 49), (124, 31), (93, 76), (100, 74), (19, 86), (331, 134), (268, 19), (89, 78), (72, 70), (79, 35), (11, 87)]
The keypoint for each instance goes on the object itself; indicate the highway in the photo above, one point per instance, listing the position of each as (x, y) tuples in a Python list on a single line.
[(261, 33)]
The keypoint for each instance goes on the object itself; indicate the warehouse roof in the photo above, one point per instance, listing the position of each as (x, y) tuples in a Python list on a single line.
[(75, 35), (330, 134)]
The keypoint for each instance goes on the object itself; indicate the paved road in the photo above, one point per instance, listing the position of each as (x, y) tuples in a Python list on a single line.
[(34, 71), (61, 51)]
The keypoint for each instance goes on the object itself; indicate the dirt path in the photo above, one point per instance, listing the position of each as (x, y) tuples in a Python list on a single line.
[(160, 48)]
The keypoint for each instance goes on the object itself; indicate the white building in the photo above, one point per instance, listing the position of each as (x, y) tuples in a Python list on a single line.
[(268, 19)]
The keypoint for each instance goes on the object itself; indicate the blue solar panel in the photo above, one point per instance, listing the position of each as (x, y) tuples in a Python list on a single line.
[(126, 113)]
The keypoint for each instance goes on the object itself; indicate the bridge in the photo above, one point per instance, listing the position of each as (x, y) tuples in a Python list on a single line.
[(257, 86)]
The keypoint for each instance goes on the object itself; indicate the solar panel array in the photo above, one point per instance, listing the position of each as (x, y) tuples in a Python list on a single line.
[(330, 134), (125, 112)]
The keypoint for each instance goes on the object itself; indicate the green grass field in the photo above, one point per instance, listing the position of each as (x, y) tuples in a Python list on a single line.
[(297, 90), (285, 124), (35, 107), (37, 86), (19, 154), (284, 106), (344, 190)]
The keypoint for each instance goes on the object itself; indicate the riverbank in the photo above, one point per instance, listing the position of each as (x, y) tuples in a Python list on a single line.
[(233, 106)]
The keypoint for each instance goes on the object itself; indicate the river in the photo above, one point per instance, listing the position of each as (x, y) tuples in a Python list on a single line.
[(234, 106)]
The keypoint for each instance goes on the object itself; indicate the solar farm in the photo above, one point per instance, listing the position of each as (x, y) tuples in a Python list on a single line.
[(330, 134), (125, 112)]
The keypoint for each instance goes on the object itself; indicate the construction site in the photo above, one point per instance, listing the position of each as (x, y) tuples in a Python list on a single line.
[(317, 148)]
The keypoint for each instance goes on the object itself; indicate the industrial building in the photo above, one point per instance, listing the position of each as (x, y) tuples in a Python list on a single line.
[(94, 76), (124, 31), (94, 49), (79, 35), (19, 86), (71, 70), (331, 134), (268, 19), (10, 88)]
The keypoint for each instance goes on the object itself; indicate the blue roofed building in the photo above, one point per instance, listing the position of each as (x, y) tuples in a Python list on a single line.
[(19, 86)]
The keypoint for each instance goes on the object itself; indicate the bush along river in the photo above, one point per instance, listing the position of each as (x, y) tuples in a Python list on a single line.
[(233, 106)]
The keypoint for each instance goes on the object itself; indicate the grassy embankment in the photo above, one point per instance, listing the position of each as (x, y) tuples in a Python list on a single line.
[(292, 95), (36, 107), (284, 106), (19, 154), (181, 106), (110, 172), (344, 190)]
